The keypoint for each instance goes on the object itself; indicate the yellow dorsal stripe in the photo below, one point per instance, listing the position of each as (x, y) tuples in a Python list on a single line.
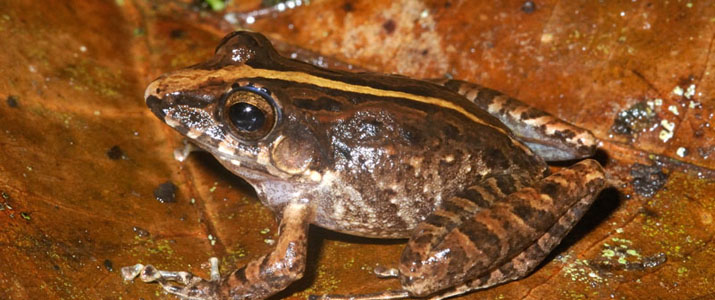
[(302, 77)]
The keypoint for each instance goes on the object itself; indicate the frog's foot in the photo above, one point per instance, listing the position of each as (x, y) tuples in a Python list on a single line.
[(385, 295), (383, 272), (503, 242), (258, 279), (182, 284), (182, 152)]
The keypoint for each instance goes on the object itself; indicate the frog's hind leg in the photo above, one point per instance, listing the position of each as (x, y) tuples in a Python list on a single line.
[(453, 212), (449, 255), (551, 138), (525, 262)]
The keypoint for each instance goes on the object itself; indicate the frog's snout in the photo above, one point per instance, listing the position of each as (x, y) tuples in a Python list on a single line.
[(174, 88), (154, 100)]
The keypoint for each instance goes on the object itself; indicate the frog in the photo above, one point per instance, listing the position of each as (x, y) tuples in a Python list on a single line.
[(457, 169)]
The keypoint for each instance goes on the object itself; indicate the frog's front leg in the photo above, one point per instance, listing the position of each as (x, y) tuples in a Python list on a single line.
[(551, 138), (501, 243), (261, 277)]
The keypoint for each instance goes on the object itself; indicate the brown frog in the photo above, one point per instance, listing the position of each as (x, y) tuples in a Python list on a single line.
[(456, 168)]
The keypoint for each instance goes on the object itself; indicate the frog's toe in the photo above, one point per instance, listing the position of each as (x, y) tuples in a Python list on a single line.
[(384, 295), (182, 284), (198, 290), (384, 272)]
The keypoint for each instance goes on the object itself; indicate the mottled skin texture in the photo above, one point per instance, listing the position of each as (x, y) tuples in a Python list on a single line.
[(380, 156)]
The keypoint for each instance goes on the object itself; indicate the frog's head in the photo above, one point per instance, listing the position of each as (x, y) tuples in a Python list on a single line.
[(228, 106)]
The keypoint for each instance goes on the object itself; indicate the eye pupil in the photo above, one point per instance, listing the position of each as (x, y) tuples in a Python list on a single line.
[(246, 116)]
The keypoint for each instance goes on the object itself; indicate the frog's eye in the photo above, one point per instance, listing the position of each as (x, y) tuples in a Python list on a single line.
[(250, 112), (246, 117)]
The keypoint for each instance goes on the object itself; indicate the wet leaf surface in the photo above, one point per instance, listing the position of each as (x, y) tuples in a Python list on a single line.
[(82, 156)]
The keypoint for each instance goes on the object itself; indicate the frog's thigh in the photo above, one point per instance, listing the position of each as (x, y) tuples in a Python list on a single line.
[(273, 272), (456, 210), (500, 243)]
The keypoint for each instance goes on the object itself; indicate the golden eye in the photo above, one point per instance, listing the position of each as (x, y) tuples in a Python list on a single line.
[(250, 111)]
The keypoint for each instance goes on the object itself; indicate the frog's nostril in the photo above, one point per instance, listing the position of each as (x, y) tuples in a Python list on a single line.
[(152, 90), (155, 105)]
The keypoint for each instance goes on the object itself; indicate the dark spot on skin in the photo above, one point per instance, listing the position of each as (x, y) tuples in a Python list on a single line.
[(348, 7), (485, 97), (496, 160), (370, 129), (566, 134), (115, 153), (344, 150), (531, 114), (523, 212), (165, 192), (177, 34), (424, 52), (505, 224), (438, 221), (476, 197), (410, 135), (528, 7), (140, 232), (450, 206), (505, 184), (482, 238), (423, 239), (647, 180), (389, 26), (150, 271), (56, 267), (411, 259), (447, 4), (552, 189), (532, 216), (450, 131), (484, 277), (11, 101), (536, 253), (108, 265), (508, 268)]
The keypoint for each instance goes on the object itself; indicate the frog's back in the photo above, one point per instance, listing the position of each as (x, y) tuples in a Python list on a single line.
[(387, 149), (390, 157)]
